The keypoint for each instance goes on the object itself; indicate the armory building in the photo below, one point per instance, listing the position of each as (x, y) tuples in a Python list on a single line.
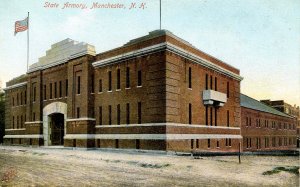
[(155, 92)]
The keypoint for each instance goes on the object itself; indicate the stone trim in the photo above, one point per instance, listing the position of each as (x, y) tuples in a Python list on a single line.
[(33, 122), (15, 86), (25, 136), (15, 129), (81, 119), (152, 136), (168, 124), (169, 47)]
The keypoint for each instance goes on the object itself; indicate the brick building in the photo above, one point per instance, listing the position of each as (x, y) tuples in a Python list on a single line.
[(288, 109), (155, 92), (265, 128)]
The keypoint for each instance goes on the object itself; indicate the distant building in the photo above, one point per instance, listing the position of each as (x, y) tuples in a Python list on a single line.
[(288, 109)]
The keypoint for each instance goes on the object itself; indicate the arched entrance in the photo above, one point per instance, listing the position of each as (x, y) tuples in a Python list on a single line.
[(54, 123), (56, 129)]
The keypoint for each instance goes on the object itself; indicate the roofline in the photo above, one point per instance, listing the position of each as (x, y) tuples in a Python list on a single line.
[(290, 116)]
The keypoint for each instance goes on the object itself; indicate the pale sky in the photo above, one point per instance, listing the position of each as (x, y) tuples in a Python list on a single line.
[(259, 37)]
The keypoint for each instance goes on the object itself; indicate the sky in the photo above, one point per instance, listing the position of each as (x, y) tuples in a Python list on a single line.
[(259, 37)]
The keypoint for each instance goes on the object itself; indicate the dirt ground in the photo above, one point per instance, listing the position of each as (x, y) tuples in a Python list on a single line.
[(24, 166)]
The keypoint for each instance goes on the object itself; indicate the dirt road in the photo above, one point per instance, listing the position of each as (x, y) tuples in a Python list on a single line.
[(21, 166)]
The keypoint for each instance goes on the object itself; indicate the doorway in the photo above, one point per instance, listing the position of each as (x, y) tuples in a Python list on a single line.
[(57, 129)]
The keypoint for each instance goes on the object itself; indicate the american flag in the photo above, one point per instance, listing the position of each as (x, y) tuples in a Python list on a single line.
[(21, 26)]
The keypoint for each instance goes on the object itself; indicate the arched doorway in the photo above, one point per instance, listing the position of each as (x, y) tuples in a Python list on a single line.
[(54, 123), (56, 129)]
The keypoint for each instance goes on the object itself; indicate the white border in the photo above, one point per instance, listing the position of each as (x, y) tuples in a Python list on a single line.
[(168, 124), (24, 136), (81, 119), (152, 136)]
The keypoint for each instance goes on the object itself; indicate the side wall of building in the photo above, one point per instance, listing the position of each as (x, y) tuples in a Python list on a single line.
[(263, 131)]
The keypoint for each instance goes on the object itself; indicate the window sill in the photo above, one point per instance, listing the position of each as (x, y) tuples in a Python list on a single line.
[(100, 92), (110, 91), (139, 86), (127, 88), (117, 90)]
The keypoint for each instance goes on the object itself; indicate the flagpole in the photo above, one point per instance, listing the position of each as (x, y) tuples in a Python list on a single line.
[(27, 41), (160, 14)]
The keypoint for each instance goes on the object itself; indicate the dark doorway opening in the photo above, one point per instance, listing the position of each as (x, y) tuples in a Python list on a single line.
[(57, 129)]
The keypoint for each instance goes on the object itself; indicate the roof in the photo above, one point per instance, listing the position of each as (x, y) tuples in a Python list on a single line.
[(251, 103)]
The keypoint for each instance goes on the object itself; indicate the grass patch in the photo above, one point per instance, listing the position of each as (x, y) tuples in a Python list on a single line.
[(292, 169), (145, 165), (39, 154)]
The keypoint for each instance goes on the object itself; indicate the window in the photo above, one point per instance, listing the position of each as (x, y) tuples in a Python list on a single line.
[(139, 78), (211, 116), (266, 142), (250, 142), (190, 113), (17, 99), (78, 85), (21, 98), (100, 115), (21, 122), (216, 116), (190, 77), (25, 95), (139, 112), (229, 142), (78, 112), (45, 92), (127, 113), (273, 141), (33, 116), (218, 144), (13, 122), (206, 82), (67, 85), (109, 114), (247, 121), (211, 82), (118, 79), (60, 89), (127, 77), (50, 90), (100, 85), (55, 90), (216, 84), (197, 143), (118, 114), (109, 81), (192, 144), (206, 115), (208, 143), (17, 122), (227, 118), (93, 84), (13, 101), (34, 93), (227, 89)]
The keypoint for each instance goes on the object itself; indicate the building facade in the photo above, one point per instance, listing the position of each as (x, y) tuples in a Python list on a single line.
[(265, 128), (288, 109), (156, 92)]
